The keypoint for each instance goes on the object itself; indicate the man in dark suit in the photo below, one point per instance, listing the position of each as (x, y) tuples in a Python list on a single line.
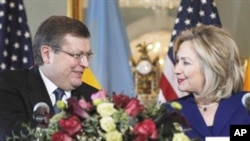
[(62, 52)]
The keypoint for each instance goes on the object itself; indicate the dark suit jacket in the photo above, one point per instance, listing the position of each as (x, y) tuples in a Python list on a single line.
[(230, 111), (19, 91)]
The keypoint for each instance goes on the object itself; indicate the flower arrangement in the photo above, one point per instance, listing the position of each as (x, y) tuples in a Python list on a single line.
[(115, 118)]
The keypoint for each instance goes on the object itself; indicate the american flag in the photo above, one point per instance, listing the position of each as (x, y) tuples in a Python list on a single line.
[(15, 37), (190, 13)]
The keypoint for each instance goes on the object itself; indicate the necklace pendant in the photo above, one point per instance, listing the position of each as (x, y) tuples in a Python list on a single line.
[(205, 109)]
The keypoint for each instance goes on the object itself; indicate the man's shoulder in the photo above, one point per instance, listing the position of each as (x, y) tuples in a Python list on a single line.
[(14, 74), (85, 90), (87, 86)]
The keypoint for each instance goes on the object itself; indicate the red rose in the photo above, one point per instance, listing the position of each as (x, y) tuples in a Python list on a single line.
[(146, 128), (133, 108), (60, 136), (120, 100), (71, 125)]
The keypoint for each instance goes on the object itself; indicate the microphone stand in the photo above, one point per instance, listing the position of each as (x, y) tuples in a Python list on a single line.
[(41, 118)]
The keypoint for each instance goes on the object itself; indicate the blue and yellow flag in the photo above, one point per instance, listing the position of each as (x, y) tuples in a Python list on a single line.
[(110, 45)]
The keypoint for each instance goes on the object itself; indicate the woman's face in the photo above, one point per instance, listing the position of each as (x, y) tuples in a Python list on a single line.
[(188, 70)]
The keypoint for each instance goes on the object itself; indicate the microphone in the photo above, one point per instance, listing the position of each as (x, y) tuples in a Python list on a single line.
[(246, 101), (41, 113)]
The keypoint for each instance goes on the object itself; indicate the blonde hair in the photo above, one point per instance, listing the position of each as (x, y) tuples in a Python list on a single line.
[(219, 60)]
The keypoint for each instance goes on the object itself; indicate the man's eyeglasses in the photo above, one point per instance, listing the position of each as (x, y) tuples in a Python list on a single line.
[(77, 56)]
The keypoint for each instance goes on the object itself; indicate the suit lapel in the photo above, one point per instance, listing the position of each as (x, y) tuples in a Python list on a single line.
[(37, 90), (224, 113), (222, 117), (193, 116)]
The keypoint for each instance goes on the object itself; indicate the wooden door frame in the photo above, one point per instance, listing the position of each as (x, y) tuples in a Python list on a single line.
[(74, 9)]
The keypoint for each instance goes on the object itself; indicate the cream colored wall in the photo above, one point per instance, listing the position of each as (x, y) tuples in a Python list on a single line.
[(234, 15), (38, 10)]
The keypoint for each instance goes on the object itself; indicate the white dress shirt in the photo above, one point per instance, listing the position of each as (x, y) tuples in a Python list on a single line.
[(50, 86)]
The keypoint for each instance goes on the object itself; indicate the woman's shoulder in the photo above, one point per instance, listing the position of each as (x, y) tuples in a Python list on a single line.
[(185, 99), (240, 95)]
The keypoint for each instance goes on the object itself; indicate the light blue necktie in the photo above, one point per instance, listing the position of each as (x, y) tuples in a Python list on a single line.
[(58, 94)]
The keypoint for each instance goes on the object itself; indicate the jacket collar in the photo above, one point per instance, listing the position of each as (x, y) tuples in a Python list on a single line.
[(223, 114)]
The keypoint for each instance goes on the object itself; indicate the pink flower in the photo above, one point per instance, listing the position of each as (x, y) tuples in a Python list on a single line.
[(78, 108), (146, 128), (99, 95), (60, 136), (133, 108), (71, 125), (84, 104)]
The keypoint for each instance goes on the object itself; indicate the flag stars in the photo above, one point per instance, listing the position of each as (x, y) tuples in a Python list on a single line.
[(6, 41), (187, 22), (12, 5), (203, 1), (16, 45), (213, 15), (174, 32), (177, 20), (25, 60), (14, 58), (8, 29), (20, 20), (3, 66), (1, 13), (180, 8), (20, 6), (10, 17), (171, 44), (18, 33), (27, 34), (2, 1), (202, 13), (5, 53), (190, 10), (198, 24), (26, 47)]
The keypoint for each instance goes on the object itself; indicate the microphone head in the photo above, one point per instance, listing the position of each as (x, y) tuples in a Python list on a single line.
[(246, 101), (41, 108), (40, 112)]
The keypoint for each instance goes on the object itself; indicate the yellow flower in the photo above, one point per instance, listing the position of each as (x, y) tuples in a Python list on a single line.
[(176, 105), (60, 104), (113, 136), (106, 109), (97, 101), (107, 124), (180, 137)]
